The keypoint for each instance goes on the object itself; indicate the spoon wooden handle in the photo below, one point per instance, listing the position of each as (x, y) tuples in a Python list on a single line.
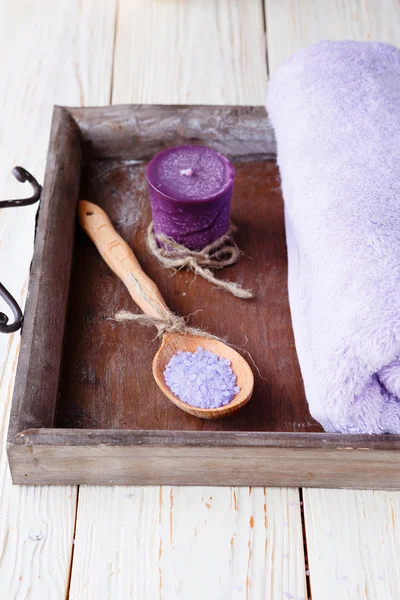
[(120, 258)]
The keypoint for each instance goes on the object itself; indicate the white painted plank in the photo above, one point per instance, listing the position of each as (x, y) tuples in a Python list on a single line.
[(208, 52), (177, 542), (294, 24), (353, 543), (53, 53)]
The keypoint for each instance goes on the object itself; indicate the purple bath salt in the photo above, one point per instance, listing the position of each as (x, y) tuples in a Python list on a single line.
[(201, 378)]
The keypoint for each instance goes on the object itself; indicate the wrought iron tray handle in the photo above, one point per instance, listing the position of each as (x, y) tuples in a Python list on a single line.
[(21, 175)]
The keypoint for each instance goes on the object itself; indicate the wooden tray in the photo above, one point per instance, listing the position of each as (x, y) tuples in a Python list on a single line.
[(85, 406)]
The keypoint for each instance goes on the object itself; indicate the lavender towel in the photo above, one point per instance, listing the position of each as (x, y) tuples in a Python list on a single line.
[(335, 108)]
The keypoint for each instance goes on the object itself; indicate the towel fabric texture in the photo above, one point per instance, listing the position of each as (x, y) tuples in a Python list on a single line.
[(335, 108)]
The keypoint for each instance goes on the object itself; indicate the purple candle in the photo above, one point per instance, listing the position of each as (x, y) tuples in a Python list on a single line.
[(190, 193)]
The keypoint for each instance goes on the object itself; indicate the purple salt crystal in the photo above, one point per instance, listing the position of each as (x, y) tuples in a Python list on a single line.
[(201, 378)]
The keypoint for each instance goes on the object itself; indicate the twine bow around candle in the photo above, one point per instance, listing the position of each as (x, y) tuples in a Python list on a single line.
[(220, 253)]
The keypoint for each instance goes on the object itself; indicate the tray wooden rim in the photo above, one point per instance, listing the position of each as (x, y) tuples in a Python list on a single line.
[(216, 439), (118, 132)]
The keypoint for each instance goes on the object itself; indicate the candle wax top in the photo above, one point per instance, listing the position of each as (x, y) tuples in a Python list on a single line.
[(190, 173)]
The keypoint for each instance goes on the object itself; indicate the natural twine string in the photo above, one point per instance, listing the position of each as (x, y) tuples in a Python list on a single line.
[(221, 253), (171, 323)]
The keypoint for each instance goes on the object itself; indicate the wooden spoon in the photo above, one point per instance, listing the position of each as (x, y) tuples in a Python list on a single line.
[(120, 258)]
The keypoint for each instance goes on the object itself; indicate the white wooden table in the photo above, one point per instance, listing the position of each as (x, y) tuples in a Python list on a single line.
[(170, 542)]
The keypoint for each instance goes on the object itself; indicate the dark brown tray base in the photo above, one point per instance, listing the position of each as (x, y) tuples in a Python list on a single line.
[(106, 377)]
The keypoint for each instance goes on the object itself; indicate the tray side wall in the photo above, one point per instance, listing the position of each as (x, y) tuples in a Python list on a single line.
[(228, 465), (140, 131), (37, 378)]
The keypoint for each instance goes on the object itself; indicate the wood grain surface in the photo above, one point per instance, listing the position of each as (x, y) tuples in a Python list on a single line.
[(140, 131), (201, 52), (201, 464), (294, 24), (106, 377), (364, 525), (35, 393), (239, 542)]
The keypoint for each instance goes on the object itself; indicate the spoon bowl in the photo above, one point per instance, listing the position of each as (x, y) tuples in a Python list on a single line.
[(121, 259), (172, 342)]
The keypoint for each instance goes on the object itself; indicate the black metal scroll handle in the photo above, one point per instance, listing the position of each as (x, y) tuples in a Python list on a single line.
[(21, 175)]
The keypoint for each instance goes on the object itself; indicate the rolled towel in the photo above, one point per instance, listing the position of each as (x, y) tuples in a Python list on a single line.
[(335, 108)]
